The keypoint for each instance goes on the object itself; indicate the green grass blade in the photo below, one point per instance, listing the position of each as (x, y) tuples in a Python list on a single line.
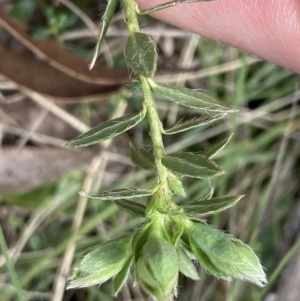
[(10, 267)]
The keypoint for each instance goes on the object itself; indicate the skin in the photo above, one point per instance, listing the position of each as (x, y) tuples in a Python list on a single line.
[(268, 29)]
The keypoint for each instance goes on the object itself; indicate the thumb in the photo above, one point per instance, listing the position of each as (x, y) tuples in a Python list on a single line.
[(269, 29)]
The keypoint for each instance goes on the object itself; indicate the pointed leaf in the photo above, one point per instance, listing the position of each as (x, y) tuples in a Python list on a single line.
[(212, 151), (140, 54), (228, 255), (140, 239), (141, 158), (189, 98), (196, 122), (102, 263), (107, 130), (108, 14), (176, 185), (118, 194), (208, 196), (122, 276), (186, 267), (166, 5), (191, 165), (211, 206), (131, 207)]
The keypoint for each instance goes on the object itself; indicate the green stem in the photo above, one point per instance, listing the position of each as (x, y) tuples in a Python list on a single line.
[(10, 267), (132, 21), (163, 193)]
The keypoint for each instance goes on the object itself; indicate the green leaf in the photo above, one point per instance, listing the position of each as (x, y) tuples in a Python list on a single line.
[(189, 98), (157, 268), (122, 276), (186, 267), (191, 165), (107, 130), (196, 122), (166, 5), (140, 239), (108, 14), (205, 262), (229, 256), (102, 263), (141, 158), (118, 194), (212, 151), (176, 185), (131, 207), (211, 206), (140, 54), (208, 195)]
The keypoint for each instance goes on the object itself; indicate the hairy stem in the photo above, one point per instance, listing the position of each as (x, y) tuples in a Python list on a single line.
[(163, 193), (132, 21)]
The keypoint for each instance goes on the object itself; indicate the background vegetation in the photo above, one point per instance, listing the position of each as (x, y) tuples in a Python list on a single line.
[(41, 214)]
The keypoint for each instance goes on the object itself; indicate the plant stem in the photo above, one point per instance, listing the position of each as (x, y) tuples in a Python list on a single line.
[(132, 21), (155, 125), (163, 196), (10, 267), (154, 121)]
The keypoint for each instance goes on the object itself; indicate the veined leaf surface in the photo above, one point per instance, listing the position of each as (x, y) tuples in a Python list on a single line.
[(196, 122), (191, 165), (108, 130), (131, 207), (118, 194), (189, 98), (141, 158), (140, 54), (211, 206)]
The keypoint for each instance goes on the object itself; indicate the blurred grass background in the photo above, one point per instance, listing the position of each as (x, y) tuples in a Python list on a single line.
[(261, 161)]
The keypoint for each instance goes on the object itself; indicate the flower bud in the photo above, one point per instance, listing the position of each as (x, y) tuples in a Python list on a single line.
[(157, 268)]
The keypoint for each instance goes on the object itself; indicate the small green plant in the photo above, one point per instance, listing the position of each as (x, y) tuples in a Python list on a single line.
[(172, 236)]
